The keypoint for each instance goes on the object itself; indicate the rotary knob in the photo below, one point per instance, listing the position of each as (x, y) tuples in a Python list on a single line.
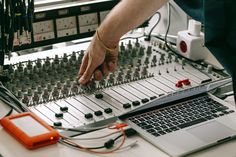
[(39, 63), (149, 50), (137, 44), (129, 45), (141, 51), (122, 47)]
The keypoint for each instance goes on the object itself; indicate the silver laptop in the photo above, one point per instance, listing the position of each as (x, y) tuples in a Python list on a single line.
[(186, 121)]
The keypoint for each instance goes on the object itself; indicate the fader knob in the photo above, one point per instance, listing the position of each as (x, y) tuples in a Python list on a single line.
[(64, 108), (126, 105), (99, 95), (108, 110), (88, 115), (98, 113), (59, 115), (135, 103), (57, 124)]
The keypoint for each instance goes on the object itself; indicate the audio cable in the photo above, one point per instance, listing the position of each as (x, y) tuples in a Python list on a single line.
[(9, 98), (108, 145)]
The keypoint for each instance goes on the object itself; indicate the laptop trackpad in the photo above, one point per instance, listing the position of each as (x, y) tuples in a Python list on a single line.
[(211, 132)]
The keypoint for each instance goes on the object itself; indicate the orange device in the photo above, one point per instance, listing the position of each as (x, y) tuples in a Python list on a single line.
[(31, 131)]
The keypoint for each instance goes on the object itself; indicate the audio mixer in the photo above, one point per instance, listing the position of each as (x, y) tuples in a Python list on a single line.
[(146, 71)]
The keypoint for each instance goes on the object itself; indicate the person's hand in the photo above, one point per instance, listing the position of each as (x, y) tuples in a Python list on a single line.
[(98, 61)]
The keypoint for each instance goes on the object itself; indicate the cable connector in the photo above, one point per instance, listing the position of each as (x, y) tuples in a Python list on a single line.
[(130, 132), (109, 144), (120, 126)]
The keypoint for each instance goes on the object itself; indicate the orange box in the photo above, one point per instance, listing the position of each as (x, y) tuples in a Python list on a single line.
[(30, 130)]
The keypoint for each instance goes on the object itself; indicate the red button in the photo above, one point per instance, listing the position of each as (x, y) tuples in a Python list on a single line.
[(179, 84), (186, 82)]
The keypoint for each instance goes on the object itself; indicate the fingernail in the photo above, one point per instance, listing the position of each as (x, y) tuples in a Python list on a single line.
[(81, 80)]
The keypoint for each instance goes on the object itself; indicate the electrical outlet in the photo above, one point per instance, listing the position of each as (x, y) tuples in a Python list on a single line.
[(103, 14), (43, 30), (66, 26)]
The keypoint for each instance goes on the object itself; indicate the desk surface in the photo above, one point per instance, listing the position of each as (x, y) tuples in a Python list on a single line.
[(9, 147)]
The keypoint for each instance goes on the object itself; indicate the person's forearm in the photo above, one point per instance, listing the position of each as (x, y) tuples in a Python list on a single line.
[(125, 16)]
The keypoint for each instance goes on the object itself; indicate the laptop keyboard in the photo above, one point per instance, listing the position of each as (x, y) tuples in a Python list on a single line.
[(181, 115)]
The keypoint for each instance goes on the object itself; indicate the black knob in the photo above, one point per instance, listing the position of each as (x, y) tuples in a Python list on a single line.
[(145, 100), (98, 113), (88, 115), (135, 103), (153, 97), (64, 108), (108, 110), (99, 96), (59, 115), (57, 124), (127, 105)]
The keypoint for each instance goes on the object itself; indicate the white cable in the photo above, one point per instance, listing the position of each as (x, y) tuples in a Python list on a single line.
[(131, 145)]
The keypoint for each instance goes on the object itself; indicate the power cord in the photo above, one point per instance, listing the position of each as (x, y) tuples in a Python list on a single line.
[(148, 38), (168, 26)]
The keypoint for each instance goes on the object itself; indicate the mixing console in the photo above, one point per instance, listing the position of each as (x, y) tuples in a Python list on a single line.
[(146, 71)]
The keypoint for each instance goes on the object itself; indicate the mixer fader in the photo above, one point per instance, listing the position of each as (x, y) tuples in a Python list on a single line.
[(146, 71)]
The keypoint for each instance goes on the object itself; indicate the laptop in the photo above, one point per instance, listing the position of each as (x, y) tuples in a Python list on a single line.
[(185, 122)]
